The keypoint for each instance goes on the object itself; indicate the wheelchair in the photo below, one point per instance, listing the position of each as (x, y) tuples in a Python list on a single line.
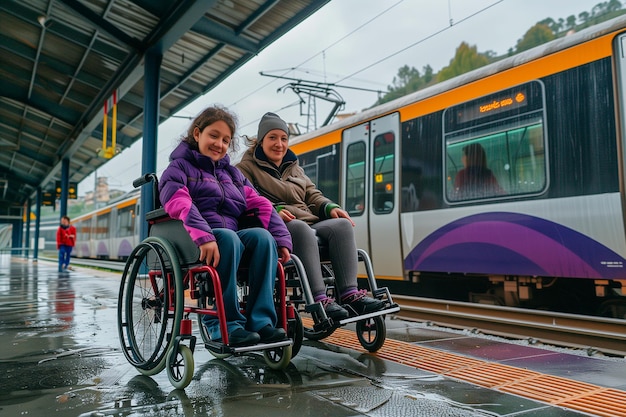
[(370, 328), (163, 283)]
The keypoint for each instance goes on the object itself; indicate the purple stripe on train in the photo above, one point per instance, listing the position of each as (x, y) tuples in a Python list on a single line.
[(514, 244), (125, 249)]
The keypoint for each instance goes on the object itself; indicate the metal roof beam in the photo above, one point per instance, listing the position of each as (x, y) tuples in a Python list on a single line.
[(177, 23), (223, 34), (130, 72), (85, 12), (38, 103)]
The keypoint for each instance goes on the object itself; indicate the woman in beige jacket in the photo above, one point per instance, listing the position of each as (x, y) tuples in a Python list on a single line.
[(274, 170)]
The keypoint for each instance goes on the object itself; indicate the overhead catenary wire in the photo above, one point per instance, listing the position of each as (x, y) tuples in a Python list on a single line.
[(286, 71), (424, 39), (323, 51), (377, 62)]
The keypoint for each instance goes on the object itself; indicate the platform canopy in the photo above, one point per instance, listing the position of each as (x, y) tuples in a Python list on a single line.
[(62, 60)]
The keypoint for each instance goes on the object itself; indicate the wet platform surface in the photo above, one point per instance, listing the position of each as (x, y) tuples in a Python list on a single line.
[(60, 353)]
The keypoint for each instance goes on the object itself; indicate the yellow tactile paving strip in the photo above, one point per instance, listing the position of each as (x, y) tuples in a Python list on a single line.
[(563, 392)]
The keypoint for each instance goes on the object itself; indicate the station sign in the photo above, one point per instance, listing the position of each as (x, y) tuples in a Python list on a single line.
[(47, 198), (71, 191)]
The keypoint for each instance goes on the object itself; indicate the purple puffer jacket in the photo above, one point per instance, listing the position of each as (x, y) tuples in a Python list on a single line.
[(206, 195)]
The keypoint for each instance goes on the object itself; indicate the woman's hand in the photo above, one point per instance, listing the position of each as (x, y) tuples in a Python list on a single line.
[(210, 254), (283, 255), (286, 215), (337, 212)]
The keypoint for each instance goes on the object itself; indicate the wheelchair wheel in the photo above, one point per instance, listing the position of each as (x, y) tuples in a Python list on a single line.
[(180, 367), (150, 305), (371, 333), (278, 358)]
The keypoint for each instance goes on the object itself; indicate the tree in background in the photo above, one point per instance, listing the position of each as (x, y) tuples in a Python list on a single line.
[(407, 81), (465, 59), (535, 36)]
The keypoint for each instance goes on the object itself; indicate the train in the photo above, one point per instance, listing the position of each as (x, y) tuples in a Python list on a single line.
[(110, 232), (551, 123)]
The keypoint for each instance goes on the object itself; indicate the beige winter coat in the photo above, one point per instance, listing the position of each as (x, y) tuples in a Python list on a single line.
[(287, 186)]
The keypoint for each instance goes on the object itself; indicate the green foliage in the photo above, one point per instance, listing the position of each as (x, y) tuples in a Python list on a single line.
[(535, 36), (408, 80), (467, 58)]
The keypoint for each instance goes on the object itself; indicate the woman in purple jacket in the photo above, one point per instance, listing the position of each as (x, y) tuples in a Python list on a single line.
[(212, 198)]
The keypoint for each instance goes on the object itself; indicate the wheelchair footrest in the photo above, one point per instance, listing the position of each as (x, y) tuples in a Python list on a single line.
[(392, 308), (321, 321), (234, 350)]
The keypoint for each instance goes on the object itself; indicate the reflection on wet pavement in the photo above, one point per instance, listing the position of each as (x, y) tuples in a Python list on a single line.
[(59, 352)]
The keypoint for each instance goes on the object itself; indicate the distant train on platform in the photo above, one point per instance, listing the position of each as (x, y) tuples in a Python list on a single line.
[(110, 232), (551, 235)]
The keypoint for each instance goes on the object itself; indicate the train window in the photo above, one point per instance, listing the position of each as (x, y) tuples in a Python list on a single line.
[(83, 230), (497, 149), (126, 221), (322, 166), (355, 179), (383, 171), (102, 226)]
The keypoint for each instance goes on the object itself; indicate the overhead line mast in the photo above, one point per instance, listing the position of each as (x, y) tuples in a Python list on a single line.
[(314, 90)]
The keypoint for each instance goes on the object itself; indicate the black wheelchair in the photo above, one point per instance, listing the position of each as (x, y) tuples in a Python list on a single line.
[(311, 317), (163, 283)]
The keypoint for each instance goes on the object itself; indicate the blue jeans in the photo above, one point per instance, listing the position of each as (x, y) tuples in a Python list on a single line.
[(64, 256), (260, 248)]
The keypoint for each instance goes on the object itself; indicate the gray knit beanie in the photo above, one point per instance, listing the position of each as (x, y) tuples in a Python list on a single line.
[(271, 121)]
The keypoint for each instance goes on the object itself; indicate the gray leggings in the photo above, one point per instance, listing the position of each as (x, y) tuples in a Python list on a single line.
[(338, 234)]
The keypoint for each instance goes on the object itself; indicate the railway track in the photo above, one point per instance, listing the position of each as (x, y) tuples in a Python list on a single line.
[(595, 334)]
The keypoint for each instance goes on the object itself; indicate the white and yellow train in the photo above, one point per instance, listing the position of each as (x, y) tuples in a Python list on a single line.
[(550, 121)]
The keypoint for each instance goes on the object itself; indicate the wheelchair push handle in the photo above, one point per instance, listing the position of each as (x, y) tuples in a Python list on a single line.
[(144, 179)]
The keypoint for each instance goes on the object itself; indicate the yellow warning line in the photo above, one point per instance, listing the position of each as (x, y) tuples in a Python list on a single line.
[(563, 392)]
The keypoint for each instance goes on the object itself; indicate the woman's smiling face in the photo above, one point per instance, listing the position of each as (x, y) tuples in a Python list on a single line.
[(214, 140), (275, 145)]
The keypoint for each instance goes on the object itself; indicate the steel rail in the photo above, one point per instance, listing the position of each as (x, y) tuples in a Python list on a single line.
[(595, 334)]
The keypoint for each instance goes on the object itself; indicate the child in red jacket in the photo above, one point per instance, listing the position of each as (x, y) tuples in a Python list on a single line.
[(66, 238)]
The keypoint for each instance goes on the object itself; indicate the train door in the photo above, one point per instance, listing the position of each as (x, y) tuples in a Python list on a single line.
[(354, 189), (371, 178)]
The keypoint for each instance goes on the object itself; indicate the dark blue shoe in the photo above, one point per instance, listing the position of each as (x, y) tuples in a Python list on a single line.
[(242, 337), (271, 334)]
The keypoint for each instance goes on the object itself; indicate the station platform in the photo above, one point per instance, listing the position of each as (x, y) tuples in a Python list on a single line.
[(60, 353)]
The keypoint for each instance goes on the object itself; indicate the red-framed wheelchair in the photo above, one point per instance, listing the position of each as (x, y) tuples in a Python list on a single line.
[(163, 283)]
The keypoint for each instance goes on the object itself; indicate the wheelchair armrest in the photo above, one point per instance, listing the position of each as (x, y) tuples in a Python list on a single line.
[(156, 214), (174, 232)]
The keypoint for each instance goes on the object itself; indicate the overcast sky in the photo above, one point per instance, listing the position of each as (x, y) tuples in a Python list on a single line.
[(354, 43)]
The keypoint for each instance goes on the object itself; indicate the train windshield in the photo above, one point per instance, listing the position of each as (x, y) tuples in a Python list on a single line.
[(495, 146)]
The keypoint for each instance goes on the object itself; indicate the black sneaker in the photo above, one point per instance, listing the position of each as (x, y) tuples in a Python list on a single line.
[(242, 337), (272, 334), (333, 310), (359, 303)]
